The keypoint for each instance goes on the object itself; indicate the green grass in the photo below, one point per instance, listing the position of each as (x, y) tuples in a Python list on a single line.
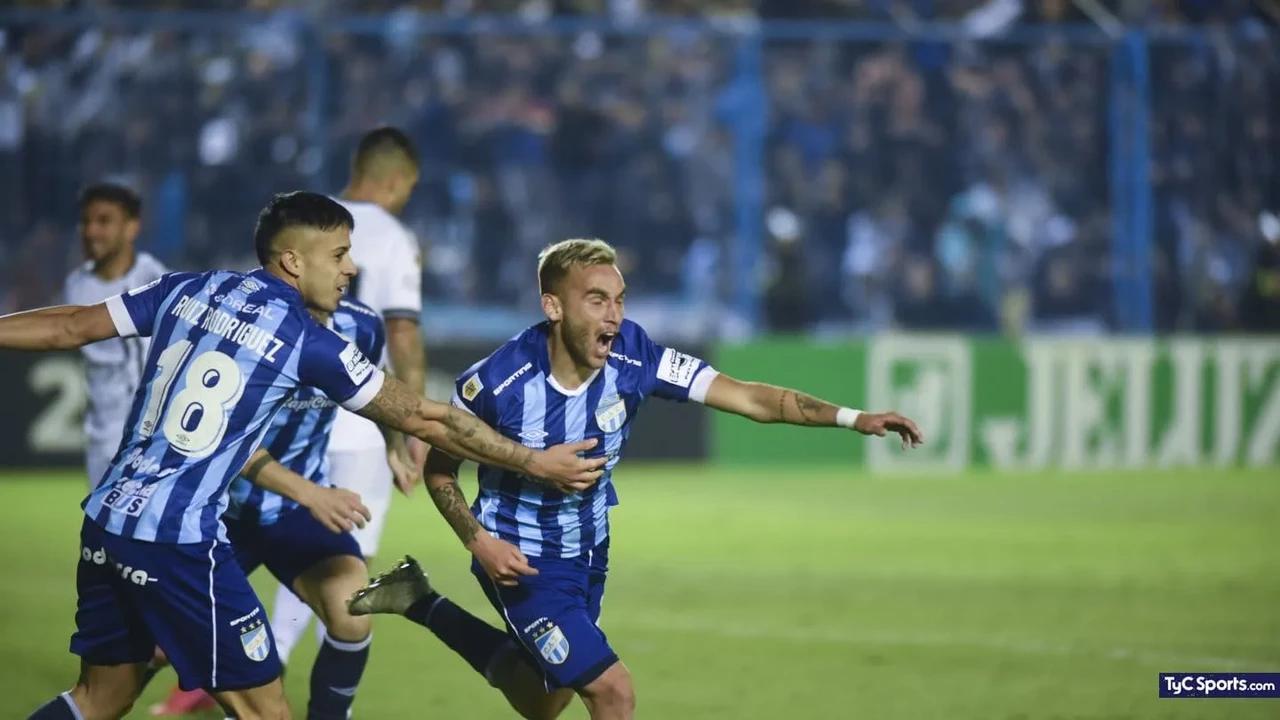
[(831, 594)]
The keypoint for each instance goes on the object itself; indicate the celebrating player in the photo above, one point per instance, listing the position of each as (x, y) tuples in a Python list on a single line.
[(542, 555), (282, 515), (384, 171), (230, 349)]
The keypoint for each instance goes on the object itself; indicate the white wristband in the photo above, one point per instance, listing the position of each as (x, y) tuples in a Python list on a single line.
[(846, 417)]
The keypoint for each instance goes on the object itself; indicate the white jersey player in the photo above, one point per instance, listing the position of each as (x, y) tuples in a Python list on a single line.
[(109, 223), (383, 174)]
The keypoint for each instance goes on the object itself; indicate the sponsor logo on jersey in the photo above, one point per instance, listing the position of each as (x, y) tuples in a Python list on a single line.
[(355, 363), (507, 383), (677, 368), (534, 438), (625, 359)]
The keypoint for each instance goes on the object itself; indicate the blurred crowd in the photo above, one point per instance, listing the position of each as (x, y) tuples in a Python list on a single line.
[(929, 184)]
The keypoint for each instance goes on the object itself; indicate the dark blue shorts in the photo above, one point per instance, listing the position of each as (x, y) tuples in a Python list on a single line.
[(553, 616), (289, 546), (192, 600)]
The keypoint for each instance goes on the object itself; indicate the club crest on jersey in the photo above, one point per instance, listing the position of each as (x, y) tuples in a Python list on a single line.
[(472, 388), (256, 641), (551, 642), (611, 414)]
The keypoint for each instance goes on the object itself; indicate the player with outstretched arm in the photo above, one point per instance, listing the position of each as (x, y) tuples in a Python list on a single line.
[(541, 555)]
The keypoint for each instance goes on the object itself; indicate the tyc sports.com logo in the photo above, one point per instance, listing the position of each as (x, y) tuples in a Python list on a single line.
[(1220, 685)]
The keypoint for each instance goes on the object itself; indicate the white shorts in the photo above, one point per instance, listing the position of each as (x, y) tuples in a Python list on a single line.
[(366, 473), (97, 458)]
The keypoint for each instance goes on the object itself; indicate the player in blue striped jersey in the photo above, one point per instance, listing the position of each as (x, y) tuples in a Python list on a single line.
[(289, 518), (228, 351), (540, 554)]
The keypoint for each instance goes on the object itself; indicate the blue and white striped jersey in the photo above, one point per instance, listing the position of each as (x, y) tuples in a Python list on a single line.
[(299, 435), (228, 351), (513, 391)]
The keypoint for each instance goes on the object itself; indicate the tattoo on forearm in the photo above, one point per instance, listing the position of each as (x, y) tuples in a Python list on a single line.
[(808, 409), (392, 406), (471, 434), (452, 505), (256, 467)]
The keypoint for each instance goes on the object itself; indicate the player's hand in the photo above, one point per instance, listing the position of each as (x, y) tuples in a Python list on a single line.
[(406, 474), (417, 451), (502, 561), (561, 467), (337, 509), (879, 424)]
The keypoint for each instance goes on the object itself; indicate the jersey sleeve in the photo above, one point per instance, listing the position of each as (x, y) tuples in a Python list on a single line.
[(402, 288), (134, 312), (471, 395), (338, 368), (372, 340), (673, 375)]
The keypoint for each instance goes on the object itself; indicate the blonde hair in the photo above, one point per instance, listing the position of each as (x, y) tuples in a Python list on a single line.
[(556, 259)]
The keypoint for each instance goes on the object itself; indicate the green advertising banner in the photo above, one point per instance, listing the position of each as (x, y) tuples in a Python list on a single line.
[(1037, 402)]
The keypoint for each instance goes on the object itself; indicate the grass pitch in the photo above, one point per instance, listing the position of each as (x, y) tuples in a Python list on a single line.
[(822, 593)]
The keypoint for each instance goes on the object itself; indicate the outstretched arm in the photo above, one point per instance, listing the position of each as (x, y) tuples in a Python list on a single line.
[(464, 435), (337, 509), (772, 404), (409, 361), (61, 327), (502, 561)]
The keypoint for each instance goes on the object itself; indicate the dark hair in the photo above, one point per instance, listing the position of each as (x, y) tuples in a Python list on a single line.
[(114, 193), (382, 143), (296, 209)]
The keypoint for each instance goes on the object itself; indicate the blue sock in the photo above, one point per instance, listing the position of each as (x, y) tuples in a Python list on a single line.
[(59, 708), (474, 639), (335, 676)]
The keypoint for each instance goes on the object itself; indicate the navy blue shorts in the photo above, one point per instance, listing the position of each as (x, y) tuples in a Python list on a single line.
[(553, 616), (289, 546), (192, 600)]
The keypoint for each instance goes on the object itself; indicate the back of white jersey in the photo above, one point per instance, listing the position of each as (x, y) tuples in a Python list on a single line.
[(389, 281), (113, 366)]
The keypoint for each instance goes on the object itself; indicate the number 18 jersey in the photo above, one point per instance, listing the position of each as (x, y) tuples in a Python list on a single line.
[(228, 351)]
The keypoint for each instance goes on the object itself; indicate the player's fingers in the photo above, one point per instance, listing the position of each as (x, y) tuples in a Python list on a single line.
[(364, 511), (594, 463), (583, 445), (522, 567)]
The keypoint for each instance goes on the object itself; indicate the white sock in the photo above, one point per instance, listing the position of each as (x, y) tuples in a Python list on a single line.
[(288, 621)]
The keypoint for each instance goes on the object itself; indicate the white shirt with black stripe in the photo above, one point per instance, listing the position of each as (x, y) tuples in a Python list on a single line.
[(389, 280), (114, 366)]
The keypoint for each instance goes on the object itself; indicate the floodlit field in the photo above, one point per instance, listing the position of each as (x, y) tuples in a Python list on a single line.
[(829, 594)]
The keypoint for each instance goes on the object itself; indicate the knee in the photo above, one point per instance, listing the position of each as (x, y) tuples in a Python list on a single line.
[(346, 627), (613, 690), (101, 705), (548, 707)]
